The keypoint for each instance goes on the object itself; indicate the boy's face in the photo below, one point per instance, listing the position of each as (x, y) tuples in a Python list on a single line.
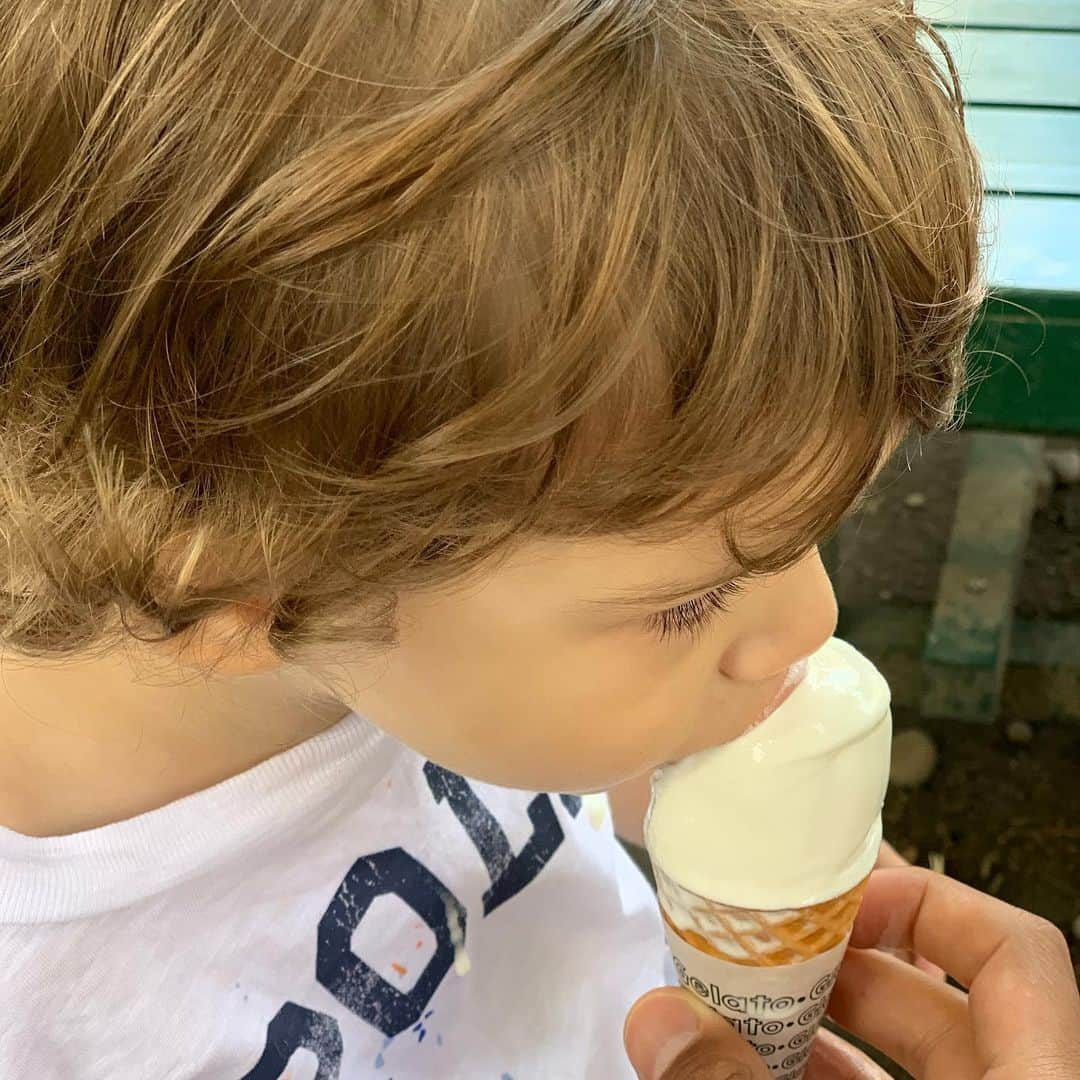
[(553, 671)]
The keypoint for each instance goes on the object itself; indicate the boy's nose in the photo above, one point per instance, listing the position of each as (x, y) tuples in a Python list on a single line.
[(789, 616)]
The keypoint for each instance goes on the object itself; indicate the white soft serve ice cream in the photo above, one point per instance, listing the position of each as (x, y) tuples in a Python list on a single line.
[(789, 813)]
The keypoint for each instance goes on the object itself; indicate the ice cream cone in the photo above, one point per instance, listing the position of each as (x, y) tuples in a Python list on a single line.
[(757, 938), (769, 973), (762, 848)]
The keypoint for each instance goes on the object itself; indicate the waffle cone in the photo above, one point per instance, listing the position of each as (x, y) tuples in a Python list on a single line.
[(759, 938)]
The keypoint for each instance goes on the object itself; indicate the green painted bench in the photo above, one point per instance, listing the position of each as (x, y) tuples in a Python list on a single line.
[(1019, 62)]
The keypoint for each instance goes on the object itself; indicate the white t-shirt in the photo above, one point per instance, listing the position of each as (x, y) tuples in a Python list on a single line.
[(343, 910)]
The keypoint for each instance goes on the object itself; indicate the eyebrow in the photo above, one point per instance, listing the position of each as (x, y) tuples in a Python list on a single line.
[(664, 595)]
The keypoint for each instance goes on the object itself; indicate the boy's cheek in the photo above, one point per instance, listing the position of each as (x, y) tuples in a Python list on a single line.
[(543, 734), (568, 749), (530, 713), (517, 702)]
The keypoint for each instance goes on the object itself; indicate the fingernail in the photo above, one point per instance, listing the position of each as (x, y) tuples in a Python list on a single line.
[(658, 1029)]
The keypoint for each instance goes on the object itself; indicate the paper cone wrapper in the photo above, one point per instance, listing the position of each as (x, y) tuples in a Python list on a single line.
[(768, 973)]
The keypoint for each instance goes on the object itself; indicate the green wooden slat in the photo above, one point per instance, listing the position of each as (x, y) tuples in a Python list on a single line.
[(884, 628), (1027, 368), (1042, 677), (1017, 67), (1028, 150), (968, 642), (1051, 14), (1034, 242)]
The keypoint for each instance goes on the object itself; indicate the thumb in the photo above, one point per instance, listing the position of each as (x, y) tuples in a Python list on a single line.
[(670, 1035)]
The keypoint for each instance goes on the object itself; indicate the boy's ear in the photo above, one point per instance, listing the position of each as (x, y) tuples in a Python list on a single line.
[(232, 641)]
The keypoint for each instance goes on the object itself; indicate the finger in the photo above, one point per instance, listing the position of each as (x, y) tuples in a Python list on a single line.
[(936, 973), (920, 1023), (1026, 1016), (889, 856), (1024, 1004), (833, 1059), (670, 1035), (950, 924), (909, 956)]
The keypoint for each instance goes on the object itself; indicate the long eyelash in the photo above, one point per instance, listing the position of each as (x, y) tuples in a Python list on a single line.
[(690, 618)]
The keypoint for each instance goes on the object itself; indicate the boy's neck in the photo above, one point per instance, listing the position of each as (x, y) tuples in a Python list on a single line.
[(91, 742)]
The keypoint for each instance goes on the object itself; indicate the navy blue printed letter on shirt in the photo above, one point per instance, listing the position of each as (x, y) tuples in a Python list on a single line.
[(359, 987), (296, 1028), (509, 873)]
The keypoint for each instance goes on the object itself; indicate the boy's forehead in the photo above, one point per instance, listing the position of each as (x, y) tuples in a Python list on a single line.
[(633, 570), (626, 568)]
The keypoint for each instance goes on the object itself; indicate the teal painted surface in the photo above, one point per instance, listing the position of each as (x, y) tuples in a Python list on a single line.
[(989, 533), (968, 641), (1034, 243), (1026, 348), (1028, 151), (1017, 67), (1051, 14)]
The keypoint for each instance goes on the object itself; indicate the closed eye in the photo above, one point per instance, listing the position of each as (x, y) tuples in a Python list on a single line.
[(690, 618)]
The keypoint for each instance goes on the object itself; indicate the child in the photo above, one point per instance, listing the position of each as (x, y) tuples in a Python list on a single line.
[(395, 393)]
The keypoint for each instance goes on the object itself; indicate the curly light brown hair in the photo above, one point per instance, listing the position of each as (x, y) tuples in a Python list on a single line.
[(323, 300)]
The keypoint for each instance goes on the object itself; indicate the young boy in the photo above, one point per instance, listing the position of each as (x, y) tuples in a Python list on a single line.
[(398, 393)]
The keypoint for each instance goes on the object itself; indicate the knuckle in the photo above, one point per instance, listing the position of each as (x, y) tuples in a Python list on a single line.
[(1044, 937), (1053, 1066), (1055, 939)]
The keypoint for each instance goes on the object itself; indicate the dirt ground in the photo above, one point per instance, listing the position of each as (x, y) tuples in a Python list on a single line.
[(1003, 817), (894, 551)]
